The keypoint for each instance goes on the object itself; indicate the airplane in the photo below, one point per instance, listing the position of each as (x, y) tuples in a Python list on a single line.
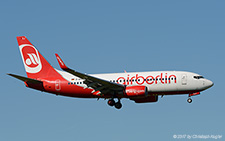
[(140, 87)]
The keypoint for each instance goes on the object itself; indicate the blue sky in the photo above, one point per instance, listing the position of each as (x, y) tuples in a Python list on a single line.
[(107, 37)]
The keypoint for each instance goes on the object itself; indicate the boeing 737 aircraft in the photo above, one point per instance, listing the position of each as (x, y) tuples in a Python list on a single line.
[(141, 87)]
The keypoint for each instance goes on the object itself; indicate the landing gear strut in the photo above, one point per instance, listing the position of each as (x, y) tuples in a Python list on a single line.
[(111, 102)]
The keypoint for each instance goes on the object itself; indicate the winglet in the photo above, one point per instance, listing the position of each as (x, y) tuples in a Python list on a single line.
[(61, 63)]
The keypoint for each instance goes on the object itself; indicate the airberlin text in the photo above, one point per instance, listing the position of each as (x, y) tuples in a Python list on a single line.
[(162, 78)]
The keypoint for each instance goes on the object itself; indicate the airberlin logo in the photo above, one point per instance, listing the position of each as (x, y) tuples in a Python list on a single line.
[(31, 58), (162, 78)]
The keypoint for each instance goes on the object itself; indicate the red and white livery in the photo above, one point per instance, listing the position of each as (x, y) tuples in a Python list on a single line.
[(141, 87)]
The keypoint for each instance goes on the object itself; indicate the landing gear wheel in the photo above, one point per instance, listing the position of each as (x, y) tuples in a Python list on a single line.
[(111, 102), (118, 105), (189, 100)]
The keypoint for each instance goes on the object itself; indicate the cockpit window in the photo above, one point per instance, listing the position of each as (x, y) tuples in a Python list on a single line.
[(198, 77)]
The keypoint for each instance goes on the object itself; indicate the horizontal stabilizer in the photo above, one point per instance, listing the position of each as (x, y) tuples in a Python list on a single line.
[(25, 79)]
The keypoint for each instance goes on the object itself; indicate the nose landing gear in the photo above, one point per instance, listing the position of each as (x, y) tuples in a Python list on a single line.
[(111, 102), (189, 100)]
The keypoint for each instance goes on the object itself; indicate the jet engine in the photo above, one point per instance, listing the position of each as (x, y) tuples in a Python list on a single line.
[(136, 91), (145, 100)]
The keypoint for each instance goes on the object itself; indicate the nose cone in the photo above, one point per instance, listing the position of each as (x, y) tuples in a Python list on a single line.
[(208, 83)]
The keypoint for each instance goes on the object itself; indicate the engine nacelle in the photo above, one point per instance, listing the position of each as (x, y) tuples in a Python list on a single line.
[(136, 91), (146, 100)]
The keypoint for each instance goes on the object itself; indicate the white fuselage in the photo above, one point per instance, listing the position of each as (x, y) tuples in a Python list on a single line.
[(162, 82)]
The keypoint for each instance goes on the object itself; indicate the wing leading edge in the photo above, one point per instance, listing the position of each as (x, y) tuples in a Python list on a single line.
[(99, 85)]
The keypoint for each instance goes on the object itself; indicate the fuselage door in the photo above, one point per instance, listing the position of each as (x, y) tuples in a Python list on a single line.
[(184, 79), (57, 85)]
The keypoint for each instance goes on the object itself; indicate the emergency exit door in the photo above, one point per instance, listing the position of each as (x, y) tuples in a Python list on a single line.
[(184, 79)]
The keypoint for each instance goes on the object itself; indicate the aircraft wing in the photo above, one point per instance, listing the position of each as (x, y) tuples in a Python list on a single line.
[(103, 86)]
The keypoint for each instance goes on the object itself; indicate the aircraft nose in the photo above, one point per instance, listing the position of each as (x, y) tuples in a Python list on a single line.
[(209, 83)]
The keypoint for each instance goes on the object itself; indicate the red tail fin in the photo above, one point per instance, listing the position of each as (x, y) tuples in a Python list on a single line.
[(35, 64)]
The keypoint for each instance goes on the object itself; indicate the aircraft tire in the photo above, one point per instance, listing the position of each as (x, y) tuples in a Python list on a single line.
[(111, 102), (118, 105), (189, 100)]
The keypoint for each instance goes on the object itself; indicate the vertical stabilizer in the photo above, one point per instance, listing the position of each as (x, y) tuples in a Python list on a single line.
[(35, 64)]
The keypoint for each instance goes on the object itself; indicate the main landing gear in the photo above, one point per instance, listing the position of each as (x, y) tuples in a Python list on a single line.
[(118, 105)]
